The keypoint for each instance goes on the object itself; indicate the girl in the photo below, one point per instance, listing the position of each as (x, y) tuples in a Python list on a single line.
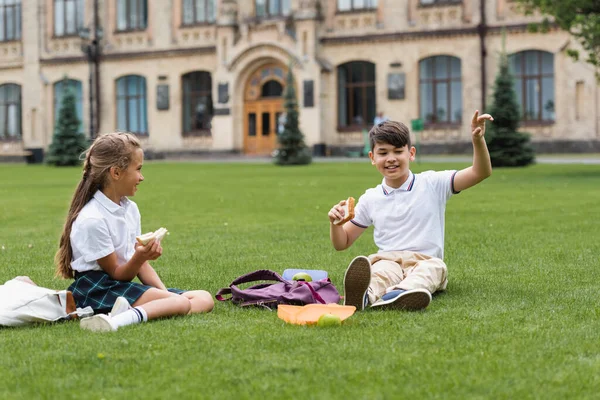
[(98, 246)]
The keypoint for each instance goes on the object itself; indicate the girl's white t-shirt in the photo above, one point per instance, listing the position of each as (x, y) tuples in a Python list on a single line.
[(101, 228)]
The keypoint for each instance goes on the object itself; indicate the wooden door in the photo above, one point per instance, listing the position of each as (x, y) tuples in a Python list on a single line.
[(261, 125)]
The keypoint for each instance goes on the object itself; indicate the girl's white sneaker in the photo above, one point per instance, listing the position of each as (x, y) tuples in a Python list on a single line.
[(121, 305), (98, 323)]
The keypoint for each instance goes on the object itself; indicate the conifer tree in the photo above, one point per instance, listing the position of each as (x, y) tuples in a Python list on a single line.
[(67, 142), (292, 149), (507, 146)]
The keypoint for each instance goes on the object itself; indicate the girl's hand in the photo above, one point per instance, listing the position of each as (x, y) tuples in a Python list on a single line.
[(478, 124), (337, 211), (150, 251)]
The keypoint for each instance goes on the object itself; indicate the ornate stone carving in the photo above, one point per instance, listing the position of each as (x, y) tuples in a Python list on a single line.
[(228, 12)]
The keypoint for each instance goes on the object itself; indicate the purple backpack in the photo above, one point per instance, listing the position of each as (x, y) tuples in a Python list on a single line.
[(281, 291)]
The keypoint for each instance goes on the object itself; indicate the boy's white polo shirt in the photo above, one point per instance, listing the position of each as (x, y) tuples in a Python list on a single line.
[(410, 217), (101, 228)]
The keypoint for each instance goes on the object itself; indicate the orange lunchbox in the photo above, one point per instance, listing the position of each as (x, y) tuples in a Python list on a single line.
[(310, 313)]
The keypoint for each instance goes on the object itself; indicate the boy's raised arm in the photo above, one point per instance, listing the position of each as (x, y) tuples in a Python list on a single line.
[(482, 165)]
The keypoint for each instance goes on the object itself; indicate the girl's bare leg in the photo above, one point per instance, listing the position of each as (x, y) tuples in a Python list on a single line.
[(201, 300), (160, 303)]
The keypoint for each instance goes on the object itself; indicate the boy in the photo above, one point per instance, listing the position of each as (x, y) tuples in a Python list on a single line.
[(407, 212)]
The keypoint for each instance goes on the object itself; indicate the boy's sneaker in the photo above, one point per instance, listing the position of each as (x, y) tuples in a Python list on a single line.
[(411, 300), (356, 282), (121, 305), (97, 323)]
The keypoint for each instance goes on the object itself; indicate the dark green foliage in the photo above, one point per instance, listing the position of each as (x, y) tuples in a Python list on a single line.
[(507, 146), (292, 149), (581, 18), (68, 142)]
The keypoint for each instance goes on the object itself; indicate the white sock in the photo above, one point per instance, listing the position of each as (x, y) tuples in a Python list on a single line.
[(134, 315)]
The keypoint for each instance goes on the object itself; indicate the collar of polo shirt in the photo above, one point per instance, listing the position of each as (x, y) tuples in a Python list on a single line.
[(110, 205), (405, 187)]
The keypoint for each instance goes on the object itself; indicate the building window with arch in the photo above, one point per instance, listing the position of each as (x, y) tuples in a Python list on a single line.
[(131, 104), (132, 15), (440, 90), (68, 17), (197, 103), (59, 90), (198, 12), (272, 8), (534, 84), (10, 20), (356, 5), (356, 94), (10, 111)]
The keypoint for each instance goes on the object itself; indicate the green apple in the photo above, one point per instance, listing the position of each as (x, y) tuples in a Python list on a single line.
[(329, 320), (302, 276)]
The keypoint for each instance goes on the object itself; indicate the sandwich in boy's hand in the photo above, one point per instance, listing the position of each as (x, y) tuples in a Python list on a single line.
[(348, 212), (159, 234)]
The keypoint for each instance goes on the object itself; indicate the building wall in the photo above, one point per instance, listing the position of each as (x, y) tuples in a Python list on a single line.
[(395, 37)]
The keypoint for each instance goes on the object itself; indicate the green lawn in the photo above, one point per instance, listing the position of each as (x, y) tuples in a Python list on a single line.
[(519, 320)]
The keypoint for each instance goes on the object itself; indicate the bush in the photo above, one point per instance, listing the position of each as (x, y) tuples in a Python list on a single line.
[(67, 142), (292, 149), (507, 146)]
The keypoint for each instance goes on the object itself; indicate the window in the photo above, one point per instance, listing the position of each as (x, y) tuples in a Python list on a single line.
[(197, 103), (59, 89), (440, 90), (198, 12), (131, 104), (356, 5), (68, 17), (132, 15), (356, 94), (10, 20), (271, 88), (534, 84), (10, 111), (272, 8)]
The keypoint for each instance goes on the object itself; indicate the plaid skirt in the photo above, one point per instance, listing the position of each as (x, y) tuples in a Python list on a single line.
[(99, 291)]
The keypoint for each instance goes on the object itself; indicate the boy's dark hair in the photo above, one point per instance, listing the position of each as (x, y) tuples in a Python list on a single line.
[(390, 132)]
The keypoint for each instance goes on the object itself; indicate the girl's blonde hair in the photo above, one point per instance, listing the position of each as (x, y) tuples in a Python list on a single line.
[(108, 150)]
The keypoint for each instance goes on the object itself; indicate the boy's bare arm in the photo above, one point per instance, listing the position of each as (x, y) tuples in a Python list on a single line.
[(482, 165), (342, 236)]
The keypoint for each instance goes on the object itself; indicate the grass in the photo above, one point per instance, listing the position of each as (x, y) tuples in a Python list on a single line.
[(519, 319)]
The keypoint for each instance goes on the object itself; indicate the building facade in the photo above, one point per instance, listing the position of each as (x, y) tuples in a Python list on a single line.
[(192, 76)]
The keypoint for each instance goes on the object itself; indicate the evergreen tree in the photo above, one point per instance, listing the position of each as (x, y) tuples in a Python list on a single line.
[(507, 146), (67, 142), (292, 149)]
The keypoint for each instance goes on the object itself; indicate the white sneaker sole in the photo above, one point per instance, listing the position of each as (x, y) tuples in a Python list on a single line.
[(412, 300), (356, 282), (97, 323)]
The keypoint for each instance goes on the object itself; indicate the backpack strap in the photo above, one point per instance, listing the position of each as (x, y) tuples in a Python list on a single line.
[(260, 275), (316, 295), (221, 292)]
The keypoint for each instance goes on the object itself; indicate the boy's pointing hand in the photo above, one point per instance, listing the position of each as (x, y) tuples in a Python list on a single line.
[(478, 124)]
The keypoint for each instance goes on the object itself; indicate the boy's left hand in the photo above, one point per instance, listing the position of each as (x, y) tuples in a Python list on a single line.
[(478, 124)]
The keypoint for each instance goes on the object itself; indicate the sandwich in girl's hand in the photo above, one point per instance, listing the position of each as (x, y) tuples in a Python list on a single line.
[(159, 234), (348, 208)]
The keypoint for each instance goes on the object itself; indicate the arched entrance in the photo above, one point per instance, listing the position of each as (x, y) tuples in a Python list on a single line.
[(263, 108)]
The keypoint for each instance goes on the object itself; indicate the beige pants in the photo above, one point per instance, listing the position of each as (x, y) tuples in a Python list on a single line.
[(405, 270)]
